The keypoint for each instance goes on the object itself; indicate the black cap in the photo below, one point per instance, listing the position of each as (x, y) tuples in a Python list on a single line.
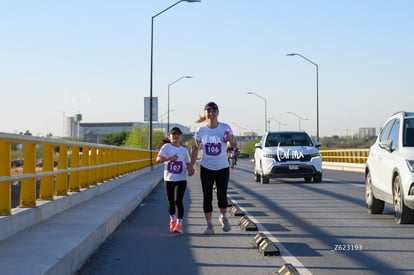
[(175, 130), (211, 105)]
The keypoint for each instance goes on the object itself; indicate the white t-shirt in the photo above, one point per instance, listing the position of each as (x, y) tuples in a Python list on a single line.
[(175, 170), (213, 145)]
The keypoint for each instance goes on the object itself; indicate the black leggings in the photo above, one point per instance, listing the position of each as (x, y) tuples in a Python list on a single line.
[(208, 177), (175, 194)]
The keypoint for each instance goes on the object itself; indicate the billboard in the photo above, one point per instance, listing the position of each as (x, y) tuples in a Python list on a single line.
[(147, 109)]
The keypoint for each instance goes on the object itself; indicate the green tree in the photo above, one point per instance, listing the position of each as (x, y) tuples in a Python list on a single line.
[(348, 142), (250, 147), (27, 133), (117, 139), (139, 138)]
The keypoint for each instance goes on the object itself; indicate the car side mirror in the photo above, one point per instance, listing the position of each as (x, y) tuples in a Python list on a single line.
[(317, 144), (387, 145), (258, 145)]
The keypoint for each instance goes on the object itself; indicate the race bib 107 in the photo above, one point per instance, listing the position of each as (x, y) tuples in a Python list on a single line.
[(175, 167)]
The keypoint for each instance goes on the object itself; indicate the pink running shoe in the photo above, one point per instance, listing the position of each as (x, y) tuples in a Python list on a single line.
[(178, 228), (173, 224)]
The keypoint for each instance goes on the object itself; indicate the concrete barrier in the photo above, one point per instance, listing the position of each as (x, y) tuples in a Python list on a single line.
[(23, 218), (339, 166), (62, 243)]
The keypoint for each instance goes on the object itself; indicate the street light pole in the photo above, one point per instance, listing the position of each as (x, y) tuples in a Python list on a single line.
[(151, 71), (169, 85), (265, 101), (317, 90), (298, 116)]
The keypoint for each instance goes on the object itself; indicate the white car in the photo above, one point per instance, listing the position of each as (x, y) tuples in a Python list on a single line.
[(389, 173), (287, 154)]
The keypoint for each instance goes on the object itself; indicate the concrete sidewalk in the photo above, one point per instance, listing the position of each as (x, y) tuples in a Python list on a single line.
[(62, 243)]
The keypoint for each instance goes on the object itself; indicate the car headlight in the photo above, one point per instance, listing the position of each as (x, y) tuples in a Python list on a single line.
[(410, 164), (315, 155), (269, 156)]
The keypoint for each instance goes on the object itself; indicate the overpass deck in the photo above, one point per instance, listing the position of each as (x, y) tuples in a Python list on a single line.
[(140, 245)]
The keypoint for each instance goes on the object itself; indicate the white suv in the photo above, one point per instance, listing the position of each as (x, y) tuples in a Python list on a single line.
[(389, 173), (287, 154)]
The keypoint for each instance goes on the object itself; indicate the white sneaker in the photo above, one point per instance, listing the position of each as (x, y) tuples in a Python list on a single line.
[(209, 230), (225, 225)]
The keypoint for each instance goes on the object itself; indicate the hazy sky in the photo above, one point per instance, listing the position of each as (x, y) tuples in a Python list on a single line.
[(58, 58)]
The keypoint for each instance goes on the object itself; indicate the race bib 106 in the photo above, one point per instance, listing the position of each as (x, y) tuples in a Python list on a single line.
[(212, 149)]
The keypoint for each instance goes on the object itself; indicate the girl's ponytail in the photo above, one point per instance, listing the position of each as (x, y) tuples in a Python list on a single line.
[(201, 119)]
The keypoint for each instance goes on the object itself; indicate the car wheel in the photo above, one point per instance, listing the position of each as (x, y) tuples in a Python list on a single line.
[(256, 177), (308, 179), (317, 178), (264, 179), (256, 173), (374, 205), (402, 213)]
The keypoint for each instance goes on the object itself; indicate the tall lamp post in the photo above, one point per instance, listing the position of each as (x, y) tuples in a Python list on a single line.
[(317, 90), (169, 85), (298, 116), (265, 102), (151, 70)]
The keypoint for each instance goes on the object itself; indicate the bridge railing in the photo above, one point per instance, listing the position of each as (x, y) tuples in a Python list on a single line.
[(54, 167), (345, 155)]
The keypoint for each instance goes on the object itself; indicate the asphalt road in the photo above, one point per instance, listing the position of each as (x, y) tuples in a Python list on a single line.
[(320, 228)]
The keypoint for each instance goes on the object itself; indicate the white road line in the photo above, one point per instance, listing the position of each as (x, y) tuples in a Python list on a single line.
[(285, 254), (358, 185)]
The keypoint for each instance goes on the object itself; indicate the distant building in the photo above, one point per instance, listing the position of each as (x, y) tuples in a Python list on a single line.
[(94, 132), (367, 132), (250, 134)]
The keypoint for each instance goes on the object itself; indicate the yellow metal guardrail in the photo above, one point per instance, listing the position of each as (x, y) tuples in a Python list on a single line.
[(79, 165), (345, 155)]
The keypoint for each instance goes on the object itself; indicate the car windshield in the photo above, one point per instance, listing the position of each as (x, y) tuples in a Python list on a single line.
[(408, 135), (288, 139)]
